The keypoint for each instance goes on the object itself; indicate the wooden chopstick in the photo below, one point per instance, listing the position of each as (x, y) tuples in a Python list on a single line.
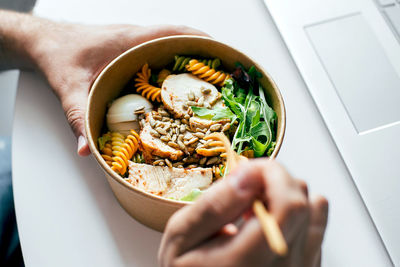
[(269, 225)]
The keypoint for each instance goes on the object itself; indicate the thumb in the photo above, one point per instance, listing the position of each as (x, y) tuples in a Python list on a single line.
[(74, 105)]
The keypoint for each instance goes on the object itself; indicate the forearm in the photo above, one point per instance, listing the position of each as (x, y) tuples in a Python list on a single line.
[(19, 35)]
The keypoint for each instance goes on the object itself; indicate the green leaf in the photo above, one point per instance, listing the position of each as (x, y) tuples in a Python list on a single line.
[(271, 149), (215, 114), (192, 196), (258, 147), (268, 112), (103, 140)]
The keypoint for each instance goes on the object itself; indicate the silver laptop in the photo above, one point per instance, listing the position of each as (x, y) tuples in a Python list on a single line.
[(348, 52)]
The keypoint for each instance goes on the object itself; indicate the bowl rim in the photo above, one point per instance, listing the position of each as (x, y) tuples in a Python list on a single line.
[(118, 178)]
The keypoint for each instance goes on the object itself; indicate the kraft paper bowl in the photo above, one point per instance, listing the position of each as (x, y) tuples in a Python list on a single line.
[(151, 210)]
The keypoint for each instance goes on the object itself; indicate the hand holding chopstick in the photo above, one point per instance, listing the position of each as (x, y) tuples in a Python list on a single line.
[(270, 227)]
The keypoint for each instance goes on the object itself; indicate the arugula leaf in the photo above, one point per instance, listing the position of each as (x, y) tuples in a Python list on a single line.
[(269, 113), (215, 114)]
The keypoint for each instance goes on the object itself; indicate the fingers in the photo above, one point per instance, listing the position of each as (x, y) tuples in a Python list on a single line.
[(233, 196), (223, 203), (318, 222), (74, 105)]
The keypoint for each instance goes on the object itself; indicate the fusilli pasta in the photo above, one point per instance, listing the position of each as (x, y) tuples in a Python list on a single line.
[(206, 73), (212, 148), (182, 61), (143, 86), (123, 150)]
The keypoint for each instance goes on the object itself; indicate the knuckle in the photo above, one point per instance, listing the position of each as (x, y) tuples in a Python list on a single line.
[(75, 117)]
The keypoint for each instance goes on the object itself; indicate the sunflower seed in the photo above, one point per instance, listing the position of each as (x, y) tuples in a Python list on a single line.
[(140, 111), (191, 103), (193, 140), (199, 135), (184, 121), (190, 112), (203, 141), (180, 137), (187, 116), (174, 137), (200, 102), (208, 132), (152, 122), (154, 133), (226, 127), (173, 144), (161, 131), (212, 160), (169, 164), (165, 138), (205, 90), (176, 130), (157, 117), (163, 113), (178, 122), (181, 145), (185, 106), (215, 127), (157, 162), (182, 128), (203, 161), (165, 119), (192, 166), (191, 96), (188, 128), (161, 163)]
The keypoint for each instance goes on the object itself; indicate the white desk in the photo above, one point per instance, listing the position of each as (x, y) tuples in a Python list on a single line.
[(67, 215)]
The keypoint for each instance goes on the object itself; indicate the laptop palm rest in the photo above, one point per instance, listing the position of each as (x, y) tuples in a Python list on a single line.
[(360, 71)]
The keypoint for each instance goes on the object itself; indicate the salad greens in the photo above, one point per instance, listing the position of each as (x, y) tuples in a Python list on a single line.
[(245, 103), (193, 195), (256, 119), (103, 140), (215, 114)]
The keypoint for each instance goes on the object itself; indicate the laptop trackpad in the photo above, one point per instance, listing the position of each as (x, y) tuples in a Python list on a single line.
[(363, 76)]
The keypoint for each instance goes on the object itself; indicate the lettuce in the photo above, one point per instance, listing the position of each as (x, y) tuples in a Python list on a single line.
[(192, 196)]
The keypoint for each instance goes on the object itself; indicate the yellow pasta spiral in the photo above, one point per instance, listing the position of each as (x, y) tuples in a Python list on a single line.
[(206, 73), (143, 86), (123, 150), (213, 148), (107, 153)]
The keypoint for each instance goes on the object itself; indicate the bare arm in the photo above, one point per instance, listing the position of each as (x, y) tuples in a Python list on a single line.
[(17, 34), (70, 56)]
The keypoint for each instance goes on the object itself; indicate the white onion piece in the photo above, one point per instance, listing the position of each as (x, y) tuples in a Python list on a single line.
[(121, 115)]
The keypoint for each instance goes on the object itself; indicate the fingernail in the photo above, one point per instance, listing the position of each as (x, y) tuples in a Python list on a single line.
[(81, 143)]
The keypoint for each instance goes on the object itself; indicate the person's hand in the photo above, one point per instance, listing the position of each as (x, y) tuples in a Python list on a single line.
[(203, 234), (71, 56)]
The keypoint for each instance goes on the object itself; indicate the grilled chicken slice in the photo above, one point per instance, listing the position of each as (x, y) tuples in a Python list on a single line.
[(176, 89), (153, 146), (168, 182)]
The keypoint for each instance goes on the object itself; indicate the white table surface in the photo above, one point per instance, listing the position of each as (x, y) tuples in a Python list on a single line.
[(67, 214)]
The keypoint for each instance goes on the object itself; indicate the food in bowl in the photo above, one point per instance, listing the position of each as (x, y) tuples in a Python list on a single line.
[(159, 138)]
